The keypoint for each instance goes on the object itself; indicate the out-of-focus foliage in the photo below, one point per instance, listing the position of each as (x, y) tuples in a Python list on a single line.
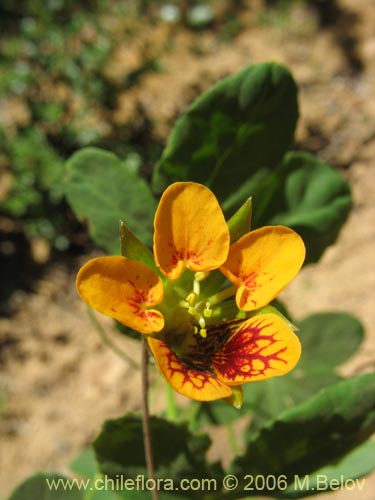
[(57, 93), (50, 83)]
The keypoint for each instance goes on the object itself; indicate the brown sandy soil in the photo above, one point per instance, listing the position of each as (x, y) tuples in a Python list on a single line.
[(60, 380)]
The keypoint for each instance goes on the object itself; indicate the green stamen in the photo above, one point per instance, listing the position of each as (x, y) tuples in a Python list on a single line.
[(223, 295), (207, 312), (191, 304)]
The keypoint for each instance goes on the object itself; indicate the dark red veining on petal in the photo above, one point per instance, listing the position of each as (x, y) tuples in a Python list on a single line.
[(231, 351), (138, 301), (197, 376), (177, 255), (194, 257), (151, 314), (249, 280), (183, 255), (243, 354)]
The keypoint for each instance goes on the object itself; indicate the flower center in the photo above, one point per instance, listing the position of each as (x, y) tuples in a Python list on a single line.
[(194, 307)]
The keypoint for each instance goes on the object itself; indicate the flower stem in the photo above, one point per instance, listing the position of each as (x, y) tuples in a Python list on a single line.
[(108, 342), (146, 419), (232, 438), (171, 403), (194, 411)]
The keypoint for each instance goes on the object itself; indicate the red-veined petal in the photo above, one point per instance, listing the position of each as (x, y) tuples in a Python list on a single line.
[(262, 263), (262, 347), (124, 290)]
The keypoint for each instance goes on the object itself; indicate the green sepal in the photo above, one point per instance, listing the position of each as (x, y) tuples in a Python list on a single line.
[(236, 399), (240, 222), (134, 249)]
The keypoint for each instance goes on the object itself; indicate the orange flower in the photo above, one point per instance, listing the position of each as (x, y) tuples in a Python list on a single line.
[(202, 355)]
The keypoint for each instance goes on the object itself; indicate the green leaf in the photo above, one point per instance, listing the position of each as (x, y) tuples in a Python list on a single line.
[(233, 133), (328, 339), (313, 435), (40, 486), (178, 454), (348, 471), (103, 190), (269, 398), (85, 463), (309, 196)]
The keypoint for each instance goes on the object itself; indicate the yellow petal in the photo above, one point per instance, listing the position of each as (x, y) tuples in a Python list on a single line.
[(124, 290), (262, 347), (262, 263), (190, 230), (188, 381)]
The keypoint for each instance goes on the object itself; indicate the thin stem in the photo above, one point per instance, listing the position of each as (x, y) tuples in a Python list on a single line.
[(108, 342), (146, 419), (171, 403), (232, 438), (195, 409)]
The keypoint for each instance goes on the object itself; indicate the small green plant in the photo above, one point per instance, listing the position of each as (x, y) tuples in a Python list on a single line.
[(203, 303)]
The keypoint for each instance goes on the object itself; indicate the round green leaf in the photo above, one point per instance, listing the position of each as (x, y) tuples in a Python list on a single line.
[(309, 196), (177, 452), (353, 467), (103, 190), (314, 434)]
